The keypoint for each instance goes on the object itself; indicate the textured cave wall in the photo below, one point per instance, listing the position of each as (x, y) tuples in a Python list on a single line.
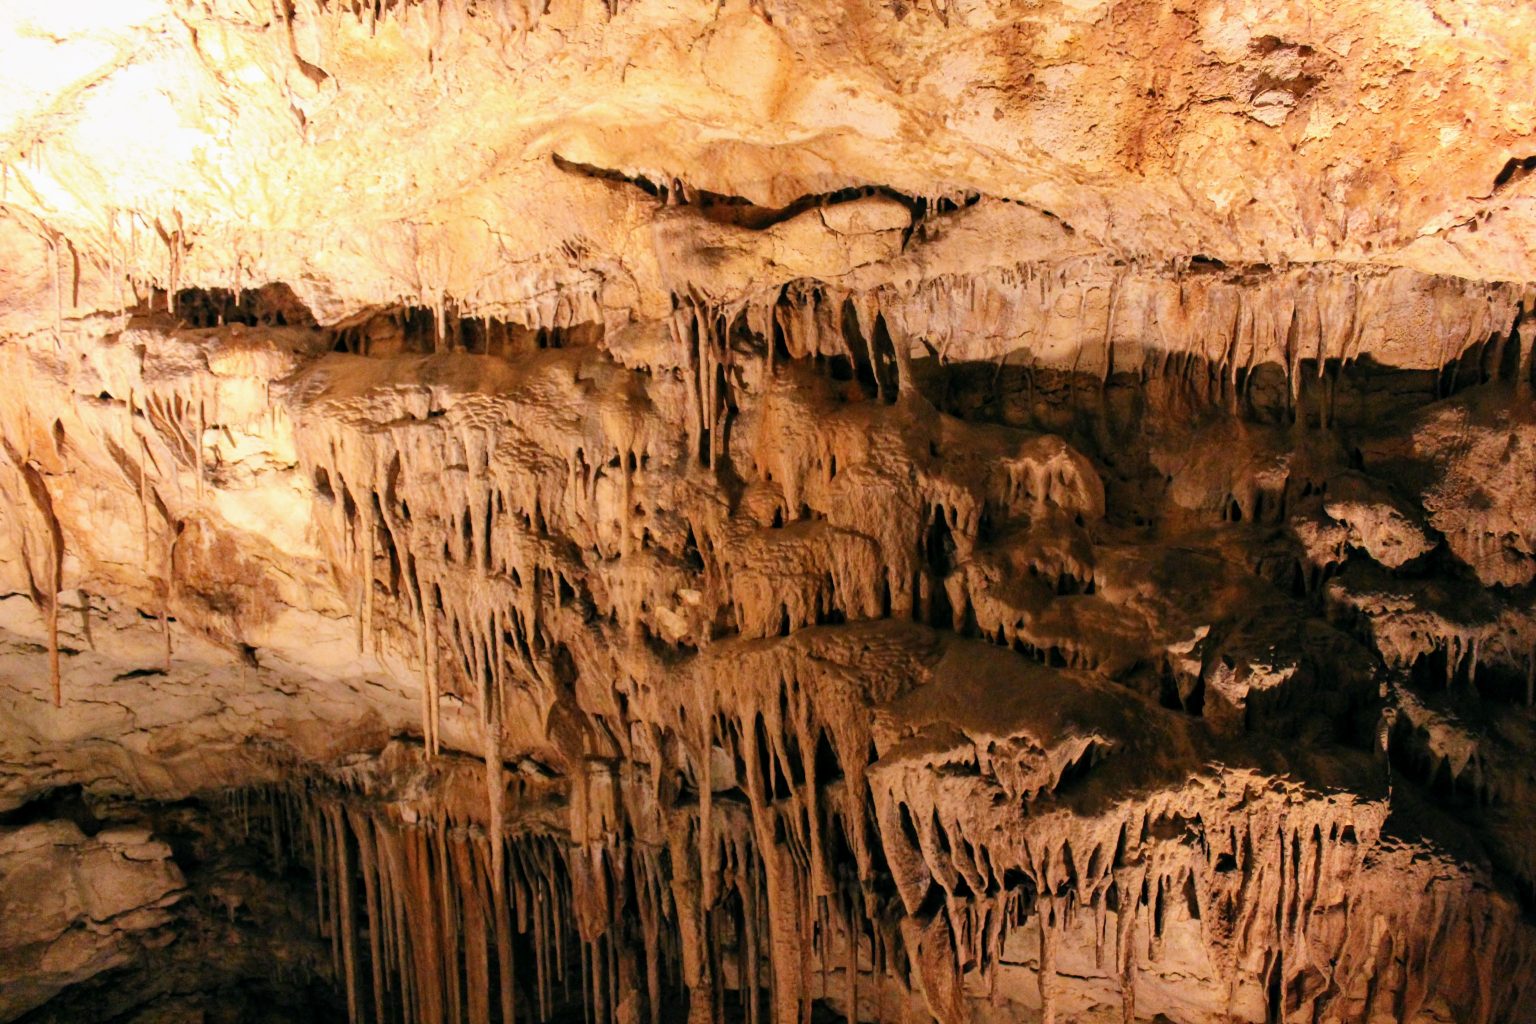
[(658, 511)]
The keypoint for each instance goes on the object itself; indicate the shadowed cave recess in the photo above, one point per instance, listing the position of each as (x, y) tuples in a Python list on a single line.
[(767, 512)]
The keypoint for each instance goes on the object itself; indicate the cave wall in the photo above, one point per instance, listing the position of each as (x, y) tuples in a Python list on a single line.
[(760, 512)]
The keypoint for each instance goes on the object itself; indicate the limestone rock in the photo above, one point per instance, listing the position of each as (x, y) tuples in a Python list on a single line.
[(75, 906), (919, 510)]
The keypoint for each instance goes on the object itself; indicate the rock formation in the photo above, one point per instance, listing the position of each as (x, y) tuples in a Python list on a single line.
[(767, 511)]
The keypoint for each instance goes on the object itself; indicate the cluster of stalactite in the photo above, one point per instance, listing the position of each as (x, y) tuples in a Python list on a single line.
[(612, 564), (554, 544), (805, 462), (570, 496), (1211, 330), (1200, 322), (427, 920), (154, 443), (550, 515), (1289, 898), (763, 907), (151, 423), (770, 844)]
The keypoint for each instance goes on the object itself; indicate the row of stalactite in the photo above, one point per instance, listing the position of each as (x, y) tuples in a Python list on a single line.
[(430, 920), (478, 559), (160, 432), (420, 930), (1213, 331), (427, 922)]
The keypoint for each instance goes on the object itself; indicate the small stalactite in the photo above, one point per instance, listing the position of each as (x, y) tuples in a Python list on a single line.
[(202, 432), (168, 578), (58, 299), (42, 502)]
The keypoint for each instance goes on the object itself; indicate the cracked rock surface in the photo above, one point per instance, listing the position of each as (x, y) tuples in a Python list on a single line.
[(768, 511)]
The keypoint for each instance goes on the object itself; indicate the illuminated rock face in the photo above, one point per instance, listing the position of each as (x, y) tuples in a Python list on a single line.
[(756, 512)]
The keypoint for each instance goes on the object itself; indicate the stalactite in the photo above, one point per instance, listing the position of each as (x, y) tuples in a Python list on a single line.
[(365, 542), (168, 580), (58, 301), (344, 884), (1126, 883), (42, 502), (202, 429)]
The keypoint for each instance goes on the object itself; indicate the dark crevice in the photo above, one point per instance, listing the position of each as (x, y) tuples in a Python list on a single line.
[(738, 210), (66, 803), (1514, 169)]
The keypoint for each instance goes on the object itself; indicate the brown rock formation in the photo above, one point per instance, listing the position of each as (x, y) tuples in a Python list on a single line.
[(757, 511)]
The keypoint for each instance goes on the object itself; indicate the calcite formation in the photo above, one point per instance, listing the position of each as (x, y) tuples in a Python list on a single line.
[(767, 511)]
